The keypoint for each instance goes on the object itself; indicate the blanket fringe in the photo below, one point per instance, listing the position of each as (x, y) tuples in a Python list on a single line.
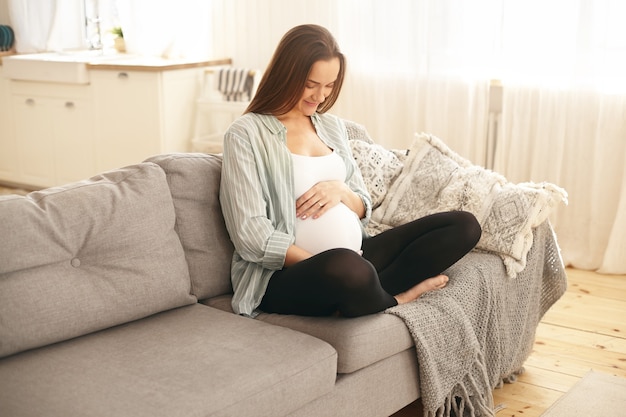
[(512, 378), (469, 398)]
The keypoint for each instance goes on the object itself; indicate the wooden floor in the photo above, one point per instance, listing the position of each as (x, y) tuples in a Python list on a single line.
[(584, 330)]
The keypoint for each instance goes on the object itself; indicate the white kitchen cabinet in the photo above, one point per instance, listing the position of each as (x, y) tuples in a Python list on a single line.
[(52, 126), (142, 113), (8, 146), (132, 108)]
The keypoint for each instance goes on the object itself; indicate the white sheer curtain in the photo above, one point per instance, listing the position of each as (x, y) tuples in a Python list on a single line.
[(576, 139), (32, 22), (564, 119), (425, 65), (169, 29), (50, 25), (409, 69)]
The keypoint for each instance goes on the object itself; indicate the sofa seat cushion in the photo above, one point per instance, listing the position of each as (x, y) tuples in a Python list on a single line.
[(359, 341), (88, 255), (191, 361)]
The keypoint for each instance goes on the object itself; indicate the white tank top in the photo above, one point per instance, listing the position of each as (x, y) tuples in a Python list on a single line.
[(339, 227)]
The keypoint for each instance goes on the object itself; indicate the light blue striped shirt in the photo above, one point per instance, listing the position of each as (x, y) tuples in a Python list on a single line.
[(258, 201)]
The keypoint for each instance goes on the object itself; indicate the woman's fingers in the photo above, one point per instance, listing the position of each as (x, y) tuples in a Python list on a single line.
[(318, 199)]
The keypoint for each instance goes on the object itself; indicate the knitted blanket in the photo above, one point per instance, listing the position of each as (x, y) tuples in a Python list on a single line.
[(480, 328)]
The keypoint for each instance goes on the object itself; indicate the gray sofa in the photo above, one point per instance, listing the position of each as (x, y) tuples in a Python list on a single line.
[(115, 301)]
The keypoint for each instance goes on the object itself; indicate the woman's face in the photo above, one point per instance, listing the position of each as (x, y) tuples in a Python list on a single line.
[(318, 86)]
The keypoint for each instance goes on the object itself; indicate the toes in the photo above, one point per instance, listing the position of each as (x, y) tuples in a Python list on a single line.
[(442, 281)]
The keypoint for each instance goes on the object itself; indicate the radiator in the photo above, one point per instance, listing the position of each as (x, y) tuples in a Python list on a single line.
[(493, 122)]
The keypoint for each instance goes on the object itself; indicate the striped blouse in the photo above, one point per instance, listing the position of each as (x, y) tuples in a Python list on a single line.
[(258, 201)]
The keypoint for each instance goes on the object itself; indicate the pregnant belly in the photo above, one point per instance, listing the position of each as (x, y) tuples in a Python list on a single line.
[(339, 227)]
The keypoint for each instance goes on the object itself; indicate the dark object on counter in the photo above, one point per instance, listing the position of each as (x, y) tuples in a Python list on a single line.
[(7, 38)]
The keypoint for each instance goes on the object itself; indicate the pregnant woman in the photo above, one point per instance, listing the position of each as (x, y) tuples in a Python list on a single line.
[(295, 203)]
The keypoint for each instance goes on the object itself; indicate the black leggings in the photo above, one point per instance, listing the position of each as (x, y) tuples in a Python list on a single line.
[(340, 280)]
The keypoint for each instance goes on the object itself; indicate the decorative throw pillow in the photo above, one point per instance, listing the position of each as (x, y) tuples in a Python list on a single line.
[(435, 179), (357, 131), (379, 168)]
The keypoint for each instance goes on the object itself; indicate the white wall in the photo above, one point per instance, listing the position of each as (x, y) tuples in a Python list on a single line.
[(392, 101), (4, 12), (265, 24)]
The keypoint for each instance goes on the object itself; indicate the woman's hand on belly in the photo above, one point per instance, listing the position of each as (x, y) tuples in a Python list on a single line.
[(325, 195)]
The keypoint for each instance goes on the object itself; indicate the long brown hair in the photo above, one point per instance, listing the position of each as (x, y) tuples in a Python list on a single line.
[(285, 78)]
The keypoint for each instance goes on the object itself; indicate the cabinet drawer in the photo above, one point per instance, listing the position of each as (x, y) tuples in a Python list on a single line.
[(123, 77), (52, 90), (67, 103), (127, 92), (128, 117)]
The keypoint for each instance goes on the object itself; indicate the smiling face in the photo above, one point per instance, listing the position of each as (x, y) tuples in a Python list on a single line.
[(307, 55), (319, 85)]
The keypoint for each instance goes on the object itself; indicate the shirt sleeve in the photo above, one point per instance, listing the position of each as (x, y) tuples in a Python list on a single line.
[(244, 199), (339, 135)]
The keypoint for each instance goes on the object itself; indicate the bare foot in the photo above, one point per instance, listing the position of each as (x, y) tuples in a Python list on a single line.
[(430, 284)]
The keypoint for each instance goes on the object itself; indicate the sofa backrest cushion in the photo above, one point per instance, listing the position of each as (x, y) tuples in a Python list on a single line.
[(194, 181), (87, 256)]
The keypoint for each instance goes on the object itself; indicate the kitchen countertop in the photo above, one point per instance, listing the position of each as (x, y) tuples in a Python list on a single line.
[(143, 63), (5, 53), (124, 62)]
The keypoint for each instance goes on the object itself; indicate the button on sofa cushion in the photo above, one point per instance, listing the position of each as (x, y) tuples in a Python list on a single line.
[(87, 256)]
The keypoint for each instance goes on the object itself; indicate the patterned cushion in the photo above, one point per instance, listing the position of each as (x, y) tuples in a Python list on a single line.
[(436, 179), (357, 131), (379, 166)]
